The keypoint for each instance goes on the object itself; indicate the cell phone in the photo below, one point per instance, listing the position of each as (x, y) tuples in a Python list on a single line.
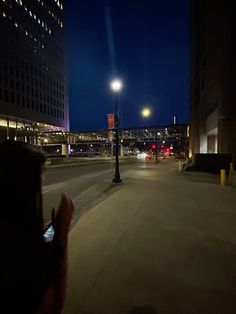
[(49, 233)]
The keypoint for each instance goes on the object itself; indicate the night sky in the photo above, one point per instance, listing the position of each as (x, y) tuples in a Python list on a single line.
[(143, 42)]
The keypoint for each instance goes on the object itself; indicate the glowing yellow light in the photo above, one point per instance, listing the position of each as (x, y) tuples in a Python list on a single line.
[(146, 112)]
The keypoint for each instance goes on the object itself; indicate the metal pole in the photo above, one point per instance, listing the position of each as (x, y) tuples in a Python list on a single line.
[(8, 128), (16, 131), (117, 178), (156, 140)]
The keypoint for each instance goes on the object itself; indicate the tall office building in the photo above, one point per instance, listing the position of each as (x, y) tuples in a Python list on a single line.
[(33, 89), (213, 80)]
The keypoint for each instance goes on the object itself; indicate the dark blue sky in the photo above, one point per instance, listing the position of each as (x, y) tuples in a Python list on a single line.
[(149, 52)]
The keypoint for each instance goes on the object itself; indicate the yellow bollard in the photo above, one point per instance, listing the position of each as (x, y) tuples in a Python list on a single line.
[(180, 166), (222, 177), (231, 166)]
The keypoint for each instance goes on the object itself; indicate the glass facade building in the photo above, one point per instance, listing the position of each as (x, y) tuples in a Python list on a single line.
[(33, 88)]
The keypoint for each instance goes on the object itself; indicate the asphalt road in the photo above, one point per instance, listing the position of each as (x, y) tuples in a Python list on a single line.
[(87, 184)]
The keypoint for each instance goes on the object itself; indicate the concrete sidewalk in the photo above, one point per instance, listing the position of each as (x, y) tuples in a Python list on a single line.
[(164, 239)]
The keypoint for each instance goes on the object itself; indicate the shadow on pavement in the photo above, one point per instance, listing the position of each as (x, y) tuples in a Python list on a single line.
[(144, 309)]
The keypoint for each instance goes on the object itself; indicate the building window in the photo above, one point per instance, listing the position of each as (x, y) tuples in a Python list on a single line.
[(18, 100), (6, 81), (6, 95), (203, 84), (23, 101), (12, 98)]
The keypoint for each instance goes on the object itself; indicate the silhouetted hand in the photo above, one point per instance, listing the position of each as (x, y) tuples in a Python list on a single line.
[(61, 219)]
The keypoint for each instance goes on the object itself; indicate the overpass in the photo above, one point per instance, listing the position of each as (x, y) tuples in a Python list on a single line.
[(100, 142)]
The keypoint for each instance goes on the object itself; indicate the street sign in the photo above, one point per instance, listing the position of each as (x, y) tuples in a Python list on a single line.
[(111, 121)]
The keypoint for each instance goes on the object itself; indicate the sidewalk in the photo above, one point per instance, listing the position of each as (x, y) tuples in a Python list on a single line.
[(163, 239)]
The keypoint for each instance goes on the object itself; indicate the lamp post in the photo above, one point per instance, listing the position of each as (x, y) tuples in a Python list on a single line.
[(156, 140), (116, 86), (147, 112)]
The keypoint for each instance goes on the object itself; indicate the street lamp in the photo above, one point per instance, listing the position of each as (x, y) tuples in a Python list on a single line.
[(116, 86), (147, 112)]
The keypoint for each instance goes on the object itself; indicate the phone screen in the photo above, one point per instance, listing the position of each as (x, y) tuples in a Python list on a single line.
[(49, 233)]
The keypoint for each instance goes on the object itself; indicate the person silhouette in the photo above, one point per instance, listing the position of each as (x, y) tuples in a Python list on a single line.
[(33, 272)]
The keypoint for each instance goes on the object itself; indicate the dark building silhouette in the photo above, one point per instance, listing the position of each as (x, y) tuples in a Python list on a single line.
[(213, 79), (33, 89)]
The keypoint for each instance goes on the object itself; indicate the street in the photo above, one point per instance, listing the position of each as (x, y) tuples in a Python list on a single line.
[(86, 183)]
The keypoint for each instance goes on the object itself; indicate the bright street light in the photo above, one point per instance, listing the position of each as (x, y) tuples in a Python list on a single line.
[(146, 113), (116, 85)]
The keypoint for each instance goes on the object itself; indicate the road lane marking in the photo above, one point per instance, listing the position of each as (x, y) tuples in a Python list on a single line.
[(51, 187)]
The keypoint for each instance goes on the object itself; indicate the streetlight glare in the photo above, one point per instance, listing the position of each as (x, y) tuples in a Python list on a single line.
[(116, 85), (146, 112)]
